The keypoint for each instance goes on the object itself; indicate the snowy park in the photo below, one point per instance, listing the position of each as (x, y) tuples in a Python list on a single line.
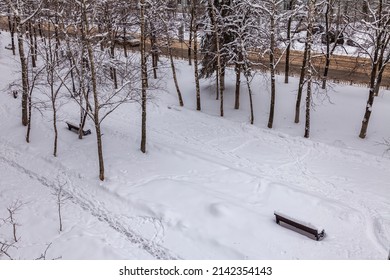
[(207, 187)]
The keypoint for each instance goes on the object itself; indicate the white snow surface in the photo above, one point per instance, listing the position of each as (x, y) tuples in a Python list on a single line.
[(208, 186)]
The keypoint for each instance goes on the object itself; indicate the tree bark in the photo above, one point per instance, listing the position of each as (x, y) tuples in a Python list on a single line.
[(144, 77), (29, 118), (371, 96), (219, 66), (191, 34), (300, 86), (309, 41), (272, 68), (327, 55), (32, 49), (174, 70), (252, 118), (11, 26), (288, 50), (55, 128), (113, 69), (196, 70), (377, 66), (95, 97), (237, 69), (23, 63)]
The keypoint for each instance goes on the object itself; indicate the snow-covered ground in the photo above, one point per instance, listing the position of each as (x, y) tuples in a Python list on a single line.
[(208, 186)]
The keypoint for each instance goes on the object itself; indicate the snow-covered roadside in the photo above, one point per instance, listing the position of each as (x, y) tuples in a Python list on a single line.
[(208, 186)]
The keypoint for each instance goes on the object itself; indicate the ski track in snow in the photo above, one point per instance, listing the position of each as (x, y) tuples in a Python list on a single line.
[(9, 156)]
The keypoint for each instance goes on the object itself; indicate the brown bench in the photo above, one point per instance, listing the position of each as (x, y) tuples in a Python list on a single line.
[(76, 128), (318, 234)]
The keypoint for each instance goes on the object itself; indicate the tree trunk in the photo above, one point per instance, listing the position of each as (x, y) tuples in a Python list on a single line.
[(11, 26), (113, 69), (195, 30), (309, 41), (252, 118), (29, 118), (154, 51), (57, 36), (308, 105), (40, 30), (300, 86), (370, 101), (377, 62), (174, 70), (238, 84), (32, 50), (34, 29), (144, 77), (23, 63), (191, 34), (272, 69), (381, 69), (95, 98), (83, 92), (124, 45), (288, 50), (219, 71), (55, 127), (327, 55)]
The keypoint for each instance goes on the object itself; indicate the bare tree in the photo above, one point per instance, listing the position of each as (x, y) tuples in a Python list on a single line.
[(220, 86), (242, 24), (213, 40), (6, 245), (377, 47), (21, 18), (333, 36), (35, 78), (162, 16), (13, 209), (93, 67), (55, 67), (61, 198)]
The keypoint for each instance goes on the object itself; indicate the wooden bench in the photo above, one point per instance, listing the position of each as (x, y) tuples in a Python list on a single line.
[(318, 233), (76, 128)]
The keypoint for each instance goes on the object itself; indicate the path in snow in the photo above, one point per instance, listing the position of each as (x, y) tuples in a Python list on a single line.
[(86, 201)]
